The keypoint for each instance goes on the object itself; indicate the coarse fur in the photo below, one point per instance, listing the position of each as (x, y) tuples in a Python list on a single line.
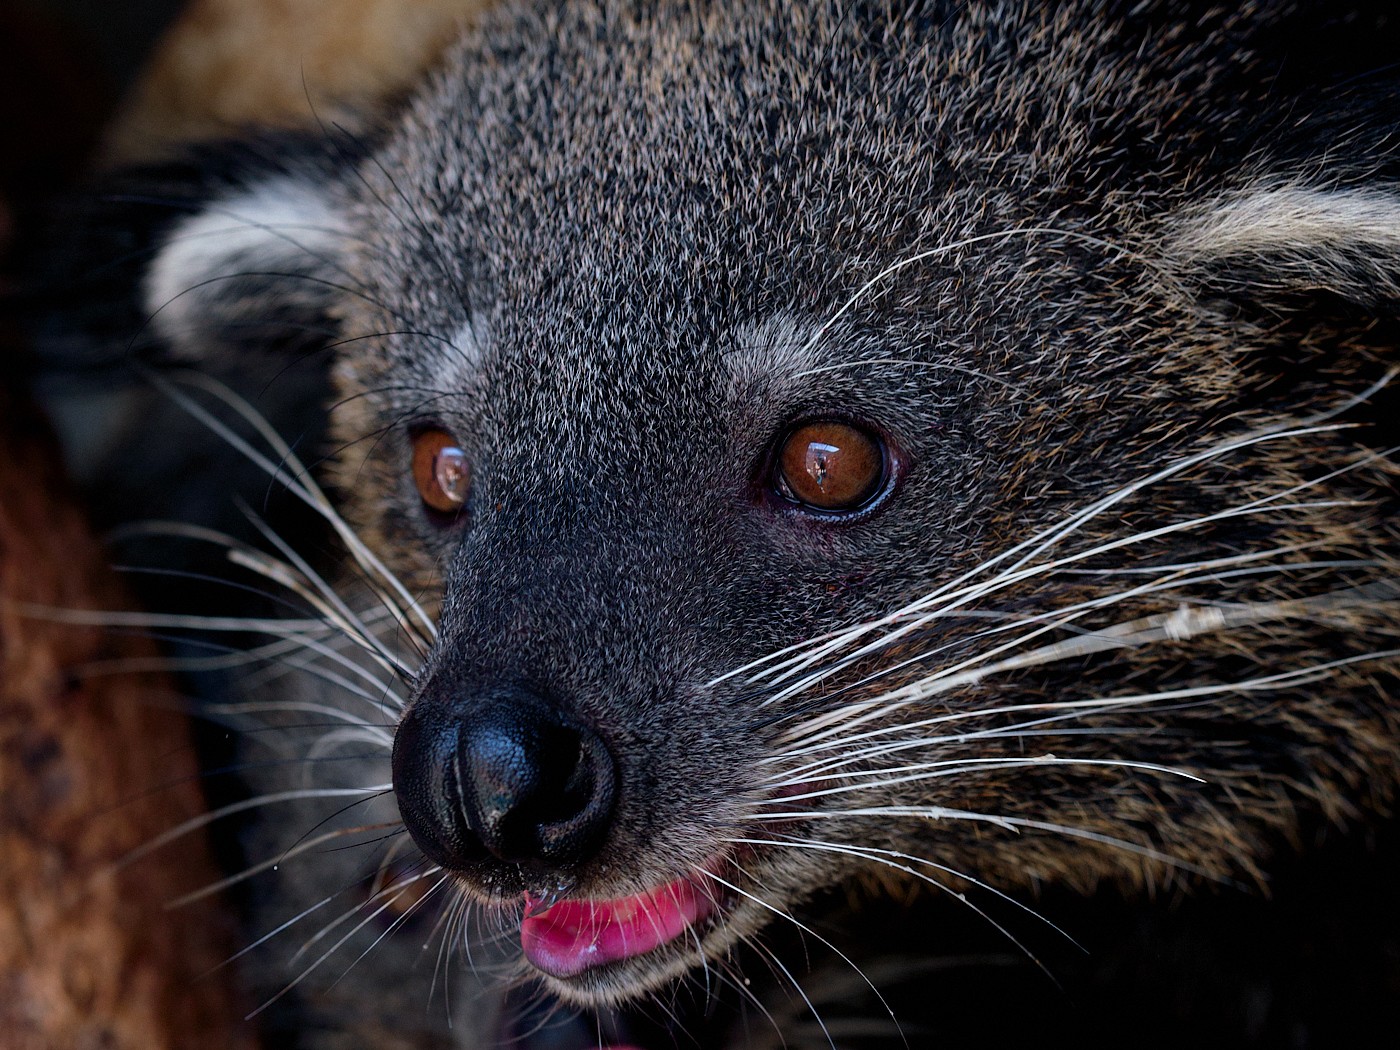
[(1115, 283)]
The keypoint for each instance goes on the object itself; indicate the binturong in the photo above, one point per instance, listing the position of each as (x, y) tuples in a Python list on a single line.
[(825, 452)]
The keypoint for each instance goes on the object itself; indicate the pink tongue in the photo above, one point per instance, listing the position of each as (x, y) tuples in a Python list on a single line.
[(573, 936)]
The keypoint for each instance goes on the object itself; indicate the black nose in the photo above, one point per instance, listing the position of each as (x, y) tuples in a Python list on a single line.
[(502, 773)]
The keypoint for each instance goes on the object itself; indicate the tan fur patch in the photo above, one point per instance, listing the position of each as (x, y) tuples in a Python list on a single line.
[(1293, 220), (227, 64), (92, 767)]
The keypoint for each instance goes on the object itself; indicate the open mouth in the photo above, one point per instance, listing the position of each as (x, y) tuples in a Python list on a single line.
[(573, 936)]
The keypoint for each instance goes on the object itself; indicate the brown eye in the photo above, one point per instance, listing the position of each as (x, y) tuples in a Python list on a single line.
[(440, 471), (830, 466)]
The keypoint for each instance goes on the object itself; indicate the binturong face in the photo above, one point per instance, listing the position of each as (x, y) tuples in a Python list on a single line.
[(846, 443)]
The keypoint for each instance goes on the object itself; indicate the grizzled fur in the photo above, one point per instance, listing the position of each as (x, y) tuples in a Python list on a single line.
[(619, 249)]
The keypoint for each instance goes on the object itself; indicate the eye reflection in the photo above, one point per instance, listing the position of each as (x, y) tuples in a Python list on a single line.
[(440, 471), (830, 466)]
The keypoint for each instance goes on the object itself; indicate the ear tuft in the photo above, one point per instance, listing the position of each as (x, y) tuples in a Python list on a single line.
[(251, 268), (1281, 243), (232, 247)]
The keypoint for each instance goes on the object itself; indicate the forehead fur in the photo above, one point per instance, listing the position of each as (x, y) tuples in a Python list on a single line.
[(620, 185), (613, 198), (706, 166)]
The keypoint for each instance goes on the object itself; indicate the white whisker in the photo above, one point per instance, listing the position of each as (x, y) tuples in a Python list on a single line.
[(297, 479), (402, 887), (1182, 624), (1065, 617), (1078, 708), (383, 734), (305, 846), (257, 802), (332, 608), (296, 981), (303, 634), (1008, 823), (937, 770), (780, 913), (891, 857), (272, 933)]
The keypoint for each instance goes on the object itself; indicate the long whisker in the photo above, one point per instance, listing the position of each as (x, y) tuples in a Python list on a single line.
[(243, 806), (780, 913), (893, 859), (323, 598), (298, 482), (865, 780), (1010, 823), (797, 986), (272, 933), (793, 659), (1181, 625), (305, 846), (302, 633), (1065, 618), (1293, 678), (886, 858), (293, 984), (402, 887)]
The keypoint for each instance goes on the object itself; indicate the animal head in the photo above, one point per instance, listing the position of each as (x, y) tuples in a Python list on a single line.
[(932, 443)]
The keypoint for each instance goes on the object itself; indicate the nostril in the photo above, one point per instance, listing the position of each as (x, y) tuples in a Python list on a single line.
[(564, 779), (506, 774), (576, 817), (535, 788)]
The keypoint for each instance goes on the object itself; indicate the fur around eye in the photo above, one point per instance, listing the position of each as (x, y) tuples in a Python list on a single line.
[(830, 466), (440, 471)]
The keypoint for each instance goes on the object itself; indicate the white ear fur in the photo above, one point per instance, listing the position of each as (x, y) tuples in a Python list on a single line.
[(282, 226), (1296, 239)]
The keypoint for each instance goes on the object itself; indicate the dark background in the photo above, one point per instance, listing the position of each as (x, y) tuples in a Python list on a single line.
[(64, 67), (116, 32)]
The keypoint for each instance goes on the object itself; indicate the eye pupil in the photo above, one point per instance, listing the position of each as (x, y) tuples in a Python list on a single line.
[(440, 471), (450, 472), (819, 456), (830, 466)]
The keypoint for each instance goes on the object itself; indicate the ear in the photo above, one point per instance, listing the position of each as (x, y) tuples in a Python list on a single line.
[(1288, 247), (253, 268), (230, 257), (232, 249)]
